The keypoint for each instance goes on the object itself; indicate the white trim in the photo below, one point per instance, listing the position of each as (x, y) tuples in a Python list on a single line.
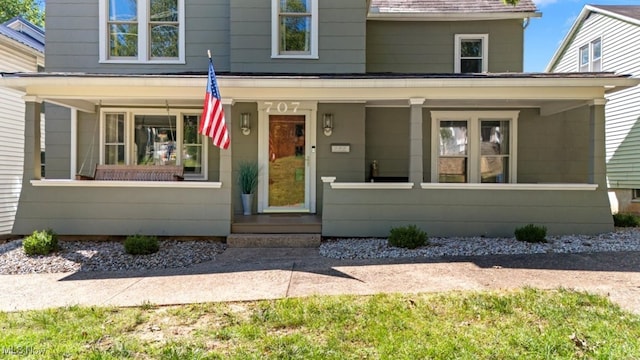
[(73, 157), (371, 186), (136, 184), (275, 33), (309, 110), (143, 36), (472, 186), (473, 119), (328, 179), (485, 50)]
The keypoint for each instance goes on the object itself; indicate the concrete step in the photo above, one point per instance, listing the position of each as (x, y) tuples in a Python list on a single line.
[(274, 240)]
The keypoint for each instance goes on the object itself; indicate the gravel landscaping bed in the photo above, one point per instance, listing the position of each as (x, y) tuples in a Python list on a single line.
[(110, 256), (105, 256), (623, 239)]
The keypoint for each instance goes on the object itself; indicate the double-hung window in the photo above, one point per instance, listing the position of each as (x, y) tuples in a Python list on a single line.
[(143, 31), (471, 53), (590, 57), (294, 30), (145, 137), (473, 147)]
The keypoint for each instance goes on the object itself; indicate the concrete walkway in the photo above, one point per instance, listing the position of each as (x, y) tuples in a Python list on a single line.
[(255, 274)]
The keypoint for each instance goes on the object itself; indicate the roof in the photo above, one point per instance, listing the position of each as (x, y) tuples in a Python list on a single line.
[(627, 13), (449, 10), (24, 32), (450, 6)]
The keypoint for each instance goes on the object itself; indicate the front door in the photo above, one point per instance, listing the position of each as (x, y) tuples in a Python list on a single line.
[(287, 158)]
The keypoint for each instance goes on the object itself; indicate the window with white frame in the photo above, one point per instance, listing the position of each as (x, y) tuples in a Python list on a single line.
[(471, 53), (144, 31), (142, 137), (294, 31), (473, 147), (590, 56)]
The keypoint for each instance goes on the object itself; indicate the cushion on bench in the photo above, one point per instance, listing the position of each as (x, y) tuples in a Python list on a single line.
[(137, 173)]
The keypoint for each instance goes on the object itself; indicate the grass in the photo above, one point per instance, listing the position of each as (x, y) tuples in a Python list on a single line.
[(524, 324)]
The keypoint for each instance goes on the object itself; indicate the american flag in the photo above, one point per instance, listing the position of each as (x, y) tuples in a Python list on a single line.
[(212, 123)]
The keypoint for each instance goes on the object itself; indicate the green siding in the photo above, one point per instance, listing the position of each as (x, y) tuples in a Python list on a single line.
[(341, 39), (387, 134), (72, 38), (463, 212), (123, 211), (428, 46), (554, 149)]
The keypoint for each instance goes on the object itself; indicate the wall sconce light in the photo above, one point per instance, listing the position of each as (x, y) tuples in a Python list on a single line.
[(327, 123), (245, 123)]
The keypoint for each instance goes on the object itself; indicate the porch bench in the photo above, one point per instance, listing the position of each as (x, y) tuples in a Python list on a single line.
[(136, 173)]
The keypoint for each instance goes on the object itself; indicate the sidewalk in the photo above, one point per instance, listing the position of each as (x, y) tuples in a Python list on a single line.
[(256, 274)]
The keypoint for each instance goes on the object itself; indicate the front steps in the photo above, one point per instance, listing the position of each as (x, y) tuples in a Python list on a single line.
[(274, 240)]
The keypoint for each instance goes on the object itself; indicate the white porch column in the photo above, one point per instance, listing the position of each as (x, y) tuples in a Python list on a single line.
[(32, 165), (415, 141), (226, 169)]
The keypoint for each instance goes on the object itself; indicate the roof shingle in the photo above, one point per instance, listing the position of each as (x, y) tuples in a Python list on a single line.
[(449, 6)]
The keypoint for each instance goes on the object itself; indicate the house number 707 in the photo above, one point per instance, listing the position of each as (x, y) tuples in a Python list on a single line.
[(282, 107)]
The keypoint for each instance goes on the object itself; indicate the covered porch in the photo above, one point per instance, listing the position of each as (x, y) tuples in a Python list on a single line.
[(556, 174)]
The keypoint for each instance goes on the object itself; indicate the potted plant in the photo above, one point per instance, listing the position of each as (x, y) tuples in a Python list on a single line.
[(248, 182)]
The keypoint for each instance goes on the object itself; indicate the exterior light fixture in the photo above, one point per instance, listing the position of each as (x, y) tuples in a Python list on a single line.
[(327, 123), (245, 123)]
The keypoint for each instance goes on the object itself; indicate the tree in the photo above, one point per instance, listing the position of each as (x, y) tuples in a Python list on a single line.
[(511, 2), (31, 10)]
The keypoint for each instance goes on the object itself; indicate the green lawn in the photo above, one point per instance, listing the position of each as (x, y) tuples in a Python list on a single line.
[(526, 324)]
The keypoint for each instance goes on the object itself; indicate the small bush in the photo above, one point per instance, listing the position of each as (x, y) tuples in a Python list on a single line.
[(40, 243), (626, 220), (141, 245), (409, 237), (531, 233)]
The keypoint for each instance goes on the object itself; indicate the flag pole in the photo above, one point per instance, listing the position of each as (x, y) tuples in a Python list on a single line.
[(209, 53)]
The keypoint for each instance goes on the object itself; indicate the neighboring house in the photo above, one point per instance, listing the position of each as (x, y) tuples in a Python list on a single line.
[(315, 92), (21, 50), (607, 38)]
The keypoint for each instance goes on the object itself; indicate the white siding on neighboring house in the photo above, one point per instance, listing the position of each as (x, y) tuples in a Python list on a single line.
[(11, 156), (620, 54), (13, 58)]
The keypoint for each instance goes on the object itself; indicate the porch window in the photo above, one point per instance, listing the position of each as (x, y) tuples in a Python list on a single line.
[(294, 28), (142, 31), (152, 138), (590, 57), (471, 53), (473, 147)]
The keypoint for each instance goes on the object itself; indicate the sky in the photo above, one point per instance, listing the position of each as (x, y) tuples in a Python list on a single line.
[(544, 35)]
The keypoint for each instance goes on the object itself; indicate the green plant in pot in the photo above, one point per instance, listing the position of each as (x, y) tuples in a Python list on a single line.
[(248, 182)]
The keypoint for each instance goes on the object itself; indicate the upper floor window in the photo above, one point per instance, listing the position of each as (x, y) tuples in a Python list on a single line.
[(145, 31), (590, 56), (148, 137), (471, 53), (294, 29), (473, 147)]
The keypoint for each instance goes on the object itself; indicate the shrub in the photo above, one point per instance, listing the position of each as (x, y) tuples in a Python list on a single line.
[(141, 245), (409, 237), (626, 220), (531, 233), (40, 243)]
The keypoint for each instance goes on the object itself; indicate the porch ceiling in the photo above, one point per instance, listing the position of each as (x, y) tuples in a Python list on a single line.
[(554, 93)]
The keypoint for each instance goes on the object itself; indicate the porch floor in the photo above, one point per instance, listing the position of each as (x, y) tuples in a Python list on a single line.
[(284, 223)]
